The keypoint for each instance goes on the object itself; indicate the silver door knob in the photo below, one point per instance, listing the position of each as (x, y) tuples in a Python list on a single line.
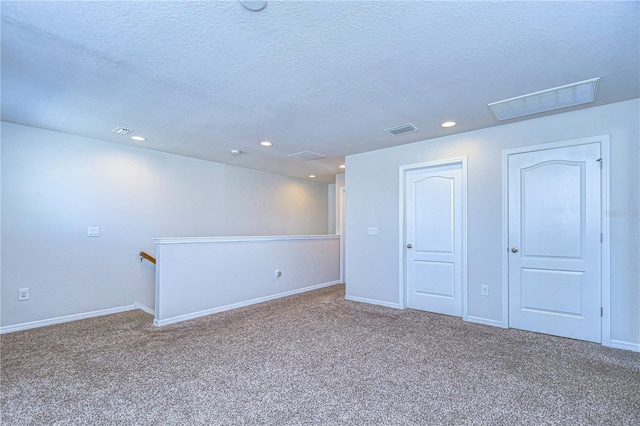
[(514, 250), (409, 246)]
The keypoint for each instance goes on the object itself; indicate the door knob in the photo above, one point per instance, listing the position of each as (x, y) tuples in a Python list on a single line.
[(409, 246), (514, 250)]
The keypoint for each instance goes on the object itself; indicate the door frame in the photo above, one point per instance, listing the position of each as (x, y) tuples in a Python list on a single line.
[(605, 278), (402, 285)]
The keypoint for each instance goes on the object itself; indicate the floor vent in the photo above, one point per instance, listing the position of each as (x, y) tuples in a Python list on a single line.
[(400, 130)]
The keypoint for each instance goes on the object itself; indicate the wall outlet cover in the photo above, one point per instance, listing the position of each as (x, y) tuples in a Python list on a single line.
[(23, 294)]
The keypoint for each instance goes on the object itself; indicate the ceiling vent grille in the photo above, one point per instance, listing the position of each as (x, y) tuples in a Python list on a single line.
[(566, 96), (400, 130), (307, 156), (122, 131)]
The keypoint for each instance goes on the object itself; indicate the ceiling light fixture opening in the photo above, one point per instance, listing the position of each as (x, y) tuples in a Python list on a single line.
[(582, 92), (138, 138), (235, 152), (342, 166), (266, 143), (448, 124), (312, 176)]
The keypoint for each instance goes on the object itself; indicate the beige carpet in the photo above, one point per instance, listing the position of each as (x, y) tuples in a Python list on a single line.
[(311, 359)]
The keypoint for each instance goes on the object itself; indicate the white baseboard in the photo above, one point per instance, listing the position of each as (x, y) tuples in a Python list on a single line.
[(66, 318), (485, 321), (185, 317), (373, 302), (618, 344), (144, 308)]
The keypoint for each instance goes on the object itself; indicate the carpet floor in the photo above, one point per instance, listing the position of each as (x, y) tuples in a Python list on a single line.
[(312, 358)]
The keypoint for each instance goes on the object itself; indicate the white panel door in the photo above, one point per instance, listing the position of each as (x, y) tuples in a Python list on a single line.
[(555, 241), (434, 239)]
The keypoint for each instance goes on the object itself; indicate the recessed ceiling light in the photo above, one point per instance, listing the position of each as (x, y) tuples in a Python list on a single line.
[(342, 166), (312, 176), (448, 124), (138, 138), (235, 152), (266, 143)]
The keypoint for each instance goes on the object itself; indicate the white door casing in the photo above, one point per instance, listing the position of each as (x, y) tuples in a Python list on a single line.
[(434, 237), (554, 241)]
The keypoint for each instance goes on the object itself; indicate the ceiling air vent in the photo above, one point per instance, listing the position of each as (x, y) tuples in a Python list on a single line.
[(566, 96), (405, 128), (307, 155), (122, 131)]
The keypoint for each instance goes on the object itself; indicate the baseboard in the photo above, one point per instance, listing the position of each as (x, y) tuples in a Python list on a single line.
[(66, 318), (144, 308), (373, 302), (618, 344), (485, 321), (185, 317)]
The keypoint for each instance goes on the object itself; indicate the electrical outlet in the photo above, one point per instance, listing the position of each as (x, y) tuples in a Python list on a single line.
[(93, 231), (278, 273), (484, 290), (23, 294)]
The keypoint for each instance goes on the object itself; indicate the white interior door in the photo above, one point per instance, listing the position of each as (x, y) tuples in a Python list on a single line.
[(434, 239), (555, 241)]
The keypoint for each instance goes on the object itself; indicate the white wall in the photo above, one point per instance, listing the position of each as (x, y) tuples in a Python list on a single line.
[(338, 188), (373, 187), (331, 208), (55, 185), (228, 273), (334, 204)]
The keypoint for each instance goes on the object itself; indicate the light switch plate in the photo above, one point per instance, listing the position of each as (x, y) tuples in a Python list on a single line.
[(93, 231), (372, 231)]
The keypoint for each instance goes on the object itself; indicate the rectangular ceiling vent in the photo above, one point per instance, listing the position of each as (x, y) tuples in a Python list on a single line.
[(566, 96), (400, 130), (307, 156), (122, 131)]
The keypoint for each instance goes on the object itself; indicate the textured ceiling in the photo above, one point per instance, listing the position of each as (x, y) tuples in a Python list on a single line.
[(200, 78)]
